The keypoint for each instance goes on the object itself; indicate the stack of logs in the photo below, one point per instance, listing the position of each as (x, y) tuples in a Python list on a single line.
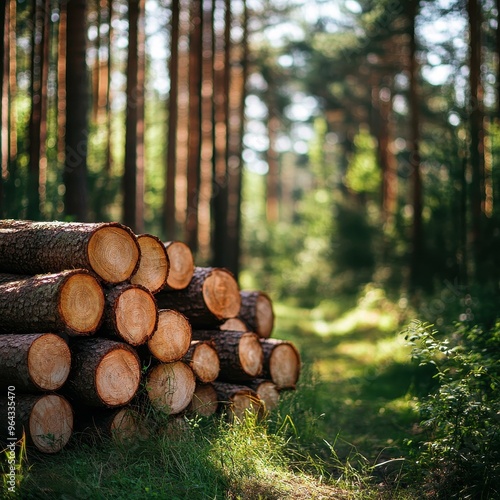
[(98, 325)]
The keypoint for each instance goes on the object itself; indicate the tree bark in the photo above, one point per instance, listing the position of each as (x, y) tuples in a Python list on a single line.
[(181, 265), (170, 387), (203, 359), (172, 338), (70, 302), (110, 250), (130, 313), (281, 363), (238, 399), (204, 402), (211, 297), (47, 420), (257, 312), (240, 354), (34, 362), (105, 373), (154, 265)]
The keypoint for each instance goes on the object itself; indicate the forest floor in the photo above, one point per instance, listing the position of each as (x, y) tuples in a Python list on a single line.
[(340, 435)]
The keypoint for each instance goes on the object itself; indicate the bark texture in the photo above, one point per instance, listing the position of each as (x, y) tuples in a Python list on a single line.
[(211, 297), (70, 302), (108, 249), (34, 362), (257, 312), (240, 354), (105, 373)]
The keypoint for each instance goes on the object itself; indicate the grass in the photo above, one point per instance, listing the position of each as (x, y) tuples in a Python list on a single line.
[(339, 435)]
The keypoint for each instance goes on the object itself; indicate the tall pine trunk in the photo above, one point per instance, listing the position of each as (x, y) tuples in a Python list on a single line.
[(77, 108), (4, 63)]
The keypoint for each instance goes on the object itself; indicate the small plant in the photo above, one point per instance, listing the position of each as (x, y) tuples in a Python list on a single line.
[(459, 456)]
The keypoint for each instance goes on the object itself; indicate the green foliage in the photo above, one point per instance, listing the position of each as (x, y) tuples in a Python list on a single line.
[(459, 454)]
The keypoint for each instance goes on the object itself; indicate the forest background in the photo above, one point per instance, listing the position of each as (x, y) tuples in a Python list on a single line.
[(315, 148)]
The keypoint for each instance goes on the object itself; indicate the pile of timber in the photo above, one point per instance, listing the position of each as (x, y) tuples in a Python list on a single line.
[(99, 326)]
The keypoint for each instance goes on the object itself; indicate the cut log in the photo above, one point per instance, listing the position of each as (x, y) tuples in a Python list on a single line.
[(108, 249), (204, 402), (211, 297), (257, 312), (234, 324), (46, 419), (267, 392), (281, 363), (181, 265), (203, 359), (154, 265), (105, 373), (170, 387), (70, 301), (172, 337), (238, 399), (240, 353), (130, 313), (34, 362), (120, 424)]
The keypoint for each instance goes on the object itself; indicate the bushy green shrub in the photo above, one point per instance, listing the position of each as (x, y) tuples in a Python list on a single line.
[(458, 455)]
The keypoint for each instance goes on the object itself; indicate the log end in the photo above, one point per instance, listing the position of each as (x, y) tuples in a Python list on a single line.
[(49, 362), (284, 366), (81, 303), (269, 394), (251, 354), (264, 316), (204, 402), (51, 423), (171, 386), (128, 425), (154, 266), (172, 337), (205, 362), (113, 253), (118, 376), (136, 315), (221, 294), (235, 325), (181, 265)]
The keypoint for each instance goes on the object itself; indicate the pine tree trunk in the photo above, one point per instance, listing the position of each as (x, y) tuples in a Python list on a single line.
[(240, 354), (257, 312), (203, 359), (211, 297), (181, 265), (238, 399), (130, 313), (108, 249), (204, 402), (34, 362), (281, 363), (70, 302), (170, 387), (172, 338), (46, 419), (154, 264), (105, 373)]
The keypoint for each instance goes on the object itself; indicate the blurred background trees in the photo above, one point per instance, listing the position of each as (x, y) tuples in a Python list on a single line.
[(321, 145)]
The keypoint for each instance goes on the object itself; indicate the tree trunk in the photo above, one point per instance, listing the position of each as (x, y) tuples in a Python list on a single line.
[(203, 359), (211, 297), (240, 354), (133, 177), (4, 64), (154, 264), (257, 312), (281, 363), (204, 402), (108, 249), (170, 387), (105, 373), (77, 107), (46, 419), (238, 399), (170, 170), (130, 313), (181, 265), (267, 392), (172, 338), (34, 362), (70, 302)]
